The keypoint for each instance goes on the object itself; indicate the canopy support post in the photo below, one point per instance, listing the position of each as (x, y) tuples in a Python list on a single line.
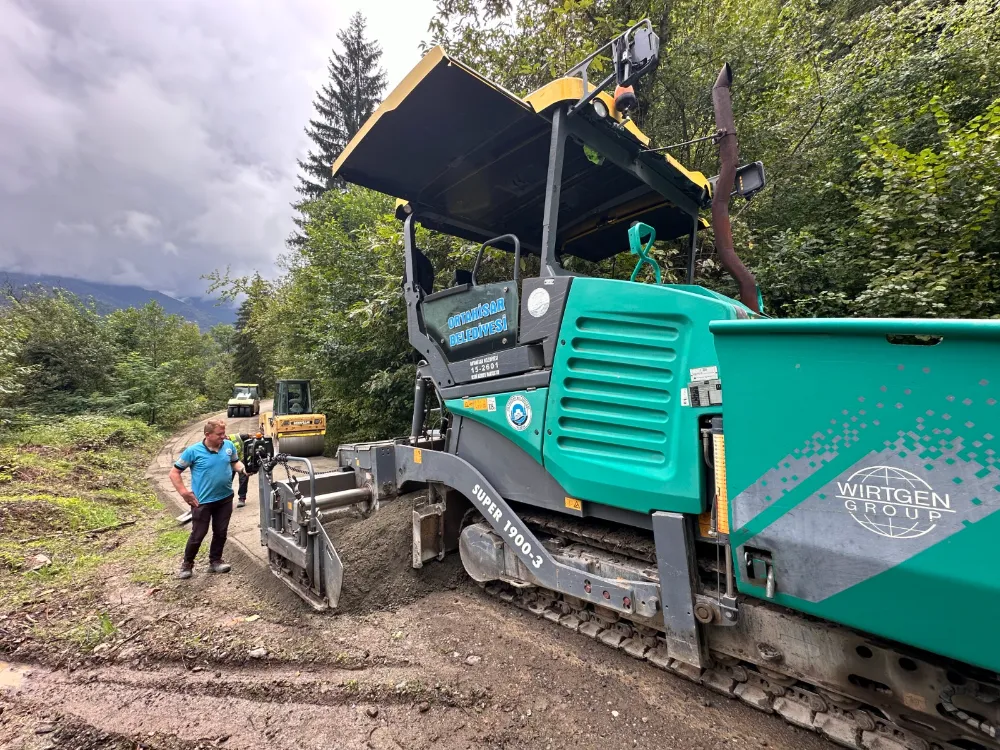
[(553, 189)]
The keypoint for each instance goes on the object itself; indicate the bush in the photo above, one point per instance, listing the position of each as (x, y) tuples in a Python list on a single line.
[(89, 432)]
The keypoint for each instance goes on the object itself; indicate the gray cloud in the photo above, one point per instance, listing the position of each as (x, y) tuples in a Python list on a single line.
[(151, 141)]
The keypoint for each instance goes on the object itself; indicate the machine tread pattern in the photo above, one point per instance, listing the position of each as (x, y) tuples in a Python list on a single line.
[(797, 704)]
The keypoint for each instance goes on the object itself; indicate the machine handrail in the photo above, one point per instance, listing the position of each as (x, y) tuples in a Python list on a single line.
[(623, 72), (517, 256)]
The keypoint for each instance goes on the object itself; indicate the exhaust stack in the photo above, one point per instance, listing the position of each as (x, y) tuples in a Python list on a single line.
[(729, 156)]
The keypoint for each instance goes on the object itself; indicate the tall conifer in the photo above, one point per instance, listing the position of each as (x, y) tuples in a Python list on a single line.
[(343, 105)]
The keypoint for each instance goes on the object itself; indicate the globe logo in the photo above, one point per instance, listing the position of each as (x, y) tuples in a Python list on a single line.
[(892, 502)]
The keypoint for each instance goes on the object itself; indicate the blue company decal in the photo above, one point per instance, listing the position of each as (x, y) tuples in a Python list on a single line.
[(518, 412), (483, 329)]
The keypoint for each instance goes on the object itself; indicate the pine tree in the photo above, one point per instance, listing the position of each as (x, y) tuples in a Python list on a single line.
[(246, 358), (344, 103)]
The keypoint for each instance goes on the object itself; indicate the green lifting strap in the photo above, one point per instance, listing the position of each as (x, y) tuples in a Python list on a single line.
[(635, 233)]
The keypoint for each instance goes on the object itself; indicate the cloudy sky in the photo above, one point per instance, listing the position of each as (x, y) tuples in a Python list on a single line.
[(151, 141)]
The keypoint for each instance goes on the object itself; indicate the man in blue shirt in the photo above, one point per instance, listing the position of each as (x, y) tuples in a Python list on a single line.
[(212, 463)]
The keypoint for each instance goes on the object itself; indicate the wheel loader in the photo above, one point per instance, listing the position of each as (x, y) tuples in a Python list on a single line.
[(799, 514), (292, 426)]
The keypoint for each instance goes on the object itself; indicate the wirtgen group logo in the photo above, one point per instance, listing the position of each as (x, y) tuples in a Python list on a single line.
[(893, 502)]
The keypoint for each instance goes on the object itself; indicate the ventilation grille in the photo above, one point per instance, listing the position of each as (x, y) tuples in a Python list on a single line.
[(619, 389)]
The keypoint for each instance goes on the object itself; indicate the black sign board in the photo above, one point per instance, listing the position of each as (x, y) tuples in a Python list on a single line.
[(467, 321)]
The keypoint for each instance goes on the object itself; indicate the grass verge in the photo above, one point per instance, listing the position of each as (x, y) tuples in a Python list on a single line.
[(74, 505)]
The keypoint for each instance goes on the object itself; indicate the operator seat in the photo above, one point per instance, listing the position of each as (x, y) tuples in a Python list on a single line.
[(424, 270)]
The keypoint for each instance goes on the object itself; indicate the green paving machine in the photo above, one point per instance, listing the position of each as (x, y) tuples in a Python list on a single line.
[(799, 514)]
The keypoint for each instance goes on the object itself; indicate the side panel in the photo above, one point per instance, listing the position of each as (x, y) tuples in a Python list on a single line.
[(512, 472), (520, 478), (518, 416), (867, 472), (616, 431)]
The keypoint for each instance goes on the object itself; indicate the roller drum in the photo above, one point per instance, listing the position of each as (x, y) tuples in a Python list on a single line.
[(303, 446)]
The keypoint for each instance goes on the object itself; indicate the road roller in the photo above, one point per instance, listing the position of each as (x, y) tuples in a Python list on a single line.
[(291, 425)]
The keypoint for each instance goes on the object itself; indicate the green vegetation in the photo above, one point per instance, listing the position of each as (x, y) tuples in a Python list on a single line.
[(166, 542), (73, 497), (60, 357), (878, 124), (85, 400), (93, 631)]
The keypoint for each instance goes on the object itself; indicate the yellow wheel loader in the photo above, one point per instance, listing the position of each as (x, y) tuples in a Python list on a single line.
[(292, 426)]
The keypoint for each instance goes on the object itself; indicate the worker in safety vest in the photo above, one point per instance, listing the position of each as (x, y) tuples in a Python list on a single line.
[(238, 440)]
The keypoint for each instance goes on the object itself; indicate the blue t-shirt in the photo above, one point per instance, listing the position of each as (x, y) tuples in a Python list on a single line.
[(211, 473)]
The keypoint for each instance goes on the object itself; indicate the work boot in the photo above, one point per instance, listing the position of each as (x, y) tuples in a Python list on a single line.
[(186, 571), (241, 502), (219, 567)]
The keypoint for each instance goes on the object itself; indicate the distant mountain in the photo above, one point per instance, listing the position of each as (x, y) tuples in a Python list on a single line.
[(110, 297)]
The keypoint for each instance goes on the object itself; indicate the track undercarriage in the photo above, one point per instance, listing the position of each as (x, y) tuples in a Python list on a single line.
[(858, 692)]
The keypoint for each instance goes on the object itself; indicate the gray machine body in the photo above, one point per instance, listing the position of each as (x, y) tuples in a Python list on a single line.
[(292, 529)]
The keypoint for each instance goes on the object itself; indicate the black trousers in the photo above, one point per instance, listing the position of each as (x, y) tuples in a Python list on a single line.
[(244, 481), (217, 514)]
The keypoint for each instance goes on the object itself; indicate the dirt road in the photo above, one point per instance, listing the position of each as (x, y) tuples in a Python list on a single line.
[(243, 528), (414, 659)]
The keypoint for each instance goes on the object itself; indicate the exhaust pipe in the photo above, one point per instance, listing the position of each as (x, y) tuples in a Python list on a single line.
[(729, 156)]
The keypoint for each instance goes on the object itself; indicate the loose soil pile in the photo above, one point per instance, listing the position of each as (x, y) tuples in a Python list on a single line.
[(378, 567)]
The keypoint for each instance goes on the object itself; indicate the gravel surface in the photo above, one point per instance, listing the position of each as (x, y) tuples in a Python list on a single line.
[(378, 570), (413, 659)]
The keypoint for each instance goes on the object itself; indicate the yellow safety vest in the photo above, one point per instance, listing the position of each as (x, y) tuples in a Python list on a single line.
[(238, 444)]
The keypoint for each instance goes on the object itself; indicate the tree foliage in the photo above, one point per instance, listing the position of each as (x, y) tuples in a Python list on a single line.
[(62, 351), (61, 357), (248, 362), (343, 104)]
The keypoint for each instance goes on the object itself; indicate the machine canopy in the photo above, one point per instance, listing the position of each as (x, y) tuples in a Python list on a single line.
[(471, 159)]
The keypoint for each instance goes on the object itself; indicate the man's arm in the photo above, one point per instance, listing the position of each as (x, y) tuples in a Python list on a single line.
[(238, 466), (178, 483)]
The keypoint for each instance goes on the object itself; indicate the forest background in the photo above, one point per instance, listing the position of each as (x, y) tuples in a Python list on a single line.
[(878, 124)]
